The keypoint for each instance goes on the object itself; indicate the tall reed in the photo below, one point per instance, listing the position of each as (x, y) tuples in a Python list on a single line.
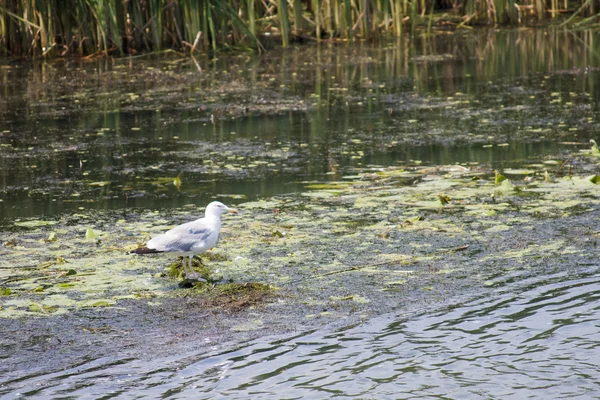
[(49, 28)]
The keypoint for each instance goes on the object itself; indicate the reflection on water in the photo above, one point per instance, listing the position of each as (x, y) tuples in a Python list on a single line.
[(115, 133), (538, 339)]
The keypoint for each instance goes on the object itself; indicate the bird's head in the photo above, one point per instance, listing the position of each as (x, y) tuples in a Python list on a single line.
[(216, 208)]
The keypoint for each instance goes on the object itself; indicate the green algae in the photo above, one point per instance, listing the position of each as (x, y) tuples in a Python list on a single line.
[(99, 303), (175, 269), (323, 243)]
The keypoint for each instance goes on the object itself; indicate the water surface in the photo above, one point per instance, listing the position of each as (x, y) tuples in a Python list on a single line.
[(535, 339), (79, 136)]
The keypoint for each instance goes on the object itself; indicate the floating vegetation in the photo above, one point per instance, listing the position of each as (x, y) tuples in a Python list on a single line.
[(593, 151), (90, 234), (499, 178), (378, 235), (177, 182)]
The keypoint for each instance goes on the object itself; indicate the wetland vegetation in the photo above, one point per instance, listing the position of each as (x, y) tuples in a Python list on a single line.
[(76, 27), (403, 178)]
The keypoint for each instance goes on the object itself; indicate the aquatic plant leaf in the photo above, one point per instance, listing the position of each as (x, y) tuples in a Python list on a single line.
[(177, 181), (444, 200), (89, 233), (325, 186), (518, 171), (278, 233), (595, 149), (51, 237), (35, 224), (546, 177), (4, 291), (49, 308), (395, 283), (499, 178), (595, 179), (35, 307), (102, 303), (65, 285)]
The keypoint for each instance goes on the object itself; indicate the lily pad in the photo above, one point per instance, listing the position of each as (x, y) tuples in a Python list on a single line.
[(517, 171), (35, 224), (594, 179), (100, 303), (89, 233)]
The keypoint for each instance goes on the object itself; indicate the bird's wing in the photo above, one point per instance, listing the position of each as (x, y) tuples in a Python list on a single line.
[(182, 238)]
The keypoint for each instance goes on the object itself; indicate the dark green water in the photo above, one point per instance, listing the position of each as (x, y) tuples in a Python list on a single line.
[(115, 133)]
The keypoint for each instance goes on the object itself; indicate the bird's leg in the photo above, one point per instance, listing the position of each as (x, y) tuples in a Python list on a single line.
[(184, 264), (193, 274)]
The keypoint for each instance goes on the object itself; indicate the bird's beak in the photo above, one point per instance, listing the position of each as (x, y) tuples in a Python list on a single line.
[(232, 210)]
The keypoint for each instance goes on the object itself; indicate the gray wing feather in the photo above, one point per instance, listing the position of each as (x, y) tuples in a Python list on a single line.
[(181, 238)]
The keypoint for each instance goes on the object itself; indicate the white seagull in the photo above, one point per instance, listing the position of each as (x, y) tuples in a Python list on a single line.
[(190, 239)]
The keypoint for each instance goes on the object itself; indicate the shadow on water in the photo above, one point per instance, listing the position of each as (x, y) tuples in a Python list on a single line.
[(540, 337)]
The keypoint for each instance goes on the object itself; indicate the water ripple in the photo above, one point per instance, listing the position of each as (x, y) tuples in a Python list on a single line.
[(535, 340)]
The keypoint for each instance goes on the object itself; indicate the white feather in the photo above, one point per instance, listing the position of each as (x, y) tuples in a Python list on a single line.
[(194, 237)]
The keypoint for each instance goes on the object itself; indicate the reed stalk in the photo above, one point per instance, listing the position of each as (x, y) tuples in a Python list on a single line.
[(51, 28), (348, 19), (284, 24), (250, 12), (317, 11), (297, 17)]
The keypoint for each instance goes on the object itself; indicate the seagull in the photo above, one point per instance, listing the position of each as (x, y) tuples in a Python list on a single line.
[(190, 239)]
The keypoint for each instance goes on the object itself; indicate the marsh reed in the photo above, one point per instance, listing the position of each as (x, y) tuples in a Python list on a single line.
[(50, 28)]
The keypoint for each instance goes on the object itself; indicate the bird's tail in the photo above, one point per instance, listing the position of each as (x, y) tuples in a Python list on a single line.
[(144, 250)]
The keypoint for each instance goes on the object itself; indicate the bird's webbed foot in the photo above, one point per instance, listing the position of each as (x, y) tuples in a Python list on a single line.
[(193, 275)]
